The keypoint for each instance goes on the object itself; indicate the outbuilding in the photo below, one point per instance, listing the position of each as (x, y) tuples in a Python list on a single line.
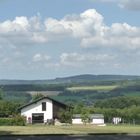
[(95, 119), (77, 119)]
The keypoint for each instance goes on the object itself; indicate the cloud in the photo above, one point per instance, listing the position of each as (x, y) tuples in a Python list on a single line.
[(85, 38), (18, 25), (130, 4), (88, 27), (115, 36), (40, 57), (23, 31), (133, 5), (81, 60), (86, 24), (104, 0)]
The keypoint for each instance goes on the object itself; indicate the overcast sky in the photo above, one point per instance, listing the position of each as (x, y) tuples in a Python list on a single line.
[(43, 39)]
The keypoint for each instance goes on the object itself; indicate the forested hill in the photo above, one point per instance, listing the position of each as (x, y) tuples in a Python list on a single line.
[(90, 78), (72, 79), (22, 82)]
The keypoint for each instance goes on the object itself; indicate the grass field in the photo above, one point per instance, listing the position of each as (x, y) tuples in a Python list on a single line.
[(74, 129), (98, 88), (132, 94)]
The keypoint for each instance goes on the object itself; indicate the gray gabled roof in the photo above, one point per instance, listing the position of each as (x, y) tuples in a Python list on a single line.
[(92, 116), (96, 116), (76, 115), (45, 97)]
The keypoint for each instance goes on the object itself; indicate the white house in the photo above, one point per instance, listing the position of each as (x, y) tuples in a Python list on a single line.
[(95, 119), (42, 110)]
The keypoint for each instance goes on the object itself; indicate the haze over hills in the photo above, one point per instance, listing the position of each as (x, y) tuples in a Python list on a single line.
[(71, 79)]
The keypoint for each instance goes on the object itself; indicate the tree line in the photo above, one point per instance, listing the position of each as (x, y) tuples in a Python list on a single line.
[(127, 108)]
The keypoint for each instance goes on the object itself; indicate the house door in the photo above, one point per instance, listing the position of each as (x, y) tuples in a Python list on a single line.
[(38, 118)]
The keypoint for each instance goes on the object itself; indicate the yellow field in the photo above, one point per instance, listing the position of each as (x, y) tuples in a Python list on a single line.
[(98, 88)]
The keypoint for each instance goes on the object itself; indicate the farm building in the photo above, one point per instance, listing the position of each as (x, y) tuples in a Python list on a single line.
[(77, 119), (96, 119), (42, 110)]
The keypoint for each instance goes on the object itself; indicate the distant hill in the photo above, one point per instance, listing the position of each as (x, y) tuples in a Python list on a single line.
[(86, 88), (22, 82), (72, 79), (90, 78)]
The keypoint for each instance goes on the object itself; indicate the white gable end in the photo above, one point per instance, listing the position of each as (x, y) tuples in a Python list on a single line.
[(36, 108)]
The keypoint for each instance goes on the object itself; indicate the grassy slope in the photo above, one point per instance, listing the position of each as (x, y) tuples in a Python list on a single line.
[(85, 91), (74, 129), (98, 88), (132, 94)]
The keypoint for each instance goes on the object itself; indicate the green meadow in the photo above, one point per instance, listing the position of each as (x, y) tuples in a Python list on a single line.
[(93, 88), (69, 129)]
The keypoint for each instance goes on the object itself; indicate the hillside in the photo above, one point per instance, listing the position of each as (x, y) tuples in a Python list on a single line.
[(80, 88), (87, 78), (90, 78)]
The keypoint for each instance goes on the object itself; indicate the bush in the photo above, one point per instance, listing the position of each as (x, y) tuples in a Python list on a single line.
[(65, 116), (5, 121), (17, 120)]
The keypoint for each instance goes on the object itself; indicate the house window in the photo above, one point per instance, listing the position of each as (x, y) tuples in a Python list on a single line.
[(43, 106)]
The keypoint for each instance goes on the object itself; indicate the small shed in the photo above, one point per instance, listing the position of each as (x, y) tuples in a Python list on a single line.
[(95, 119), (77, 119)]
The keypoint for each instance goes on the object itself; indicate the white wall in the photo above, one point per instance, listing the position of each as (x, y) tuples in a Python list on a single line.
[(116, 120), (94, 121), (97, 121), (77, 121), (37, 108)]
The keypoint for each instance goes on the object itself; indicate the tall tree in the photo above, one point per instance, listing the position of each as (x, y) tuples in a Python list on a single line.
[(37, 96), (66, 116), (1, 94), (85, 115)]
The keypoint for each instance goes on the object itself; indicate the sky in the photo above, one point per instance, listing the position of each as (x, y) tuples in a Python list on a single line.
[(45, 39)]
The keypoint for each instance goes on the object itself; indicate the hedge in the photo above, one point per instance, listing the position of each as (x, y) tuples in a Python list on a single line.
[(6, 121), (17, 120)]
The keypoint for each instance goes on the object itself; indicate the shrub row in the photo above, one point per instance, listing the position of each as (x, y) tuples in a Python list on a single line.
[(17, 120)]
